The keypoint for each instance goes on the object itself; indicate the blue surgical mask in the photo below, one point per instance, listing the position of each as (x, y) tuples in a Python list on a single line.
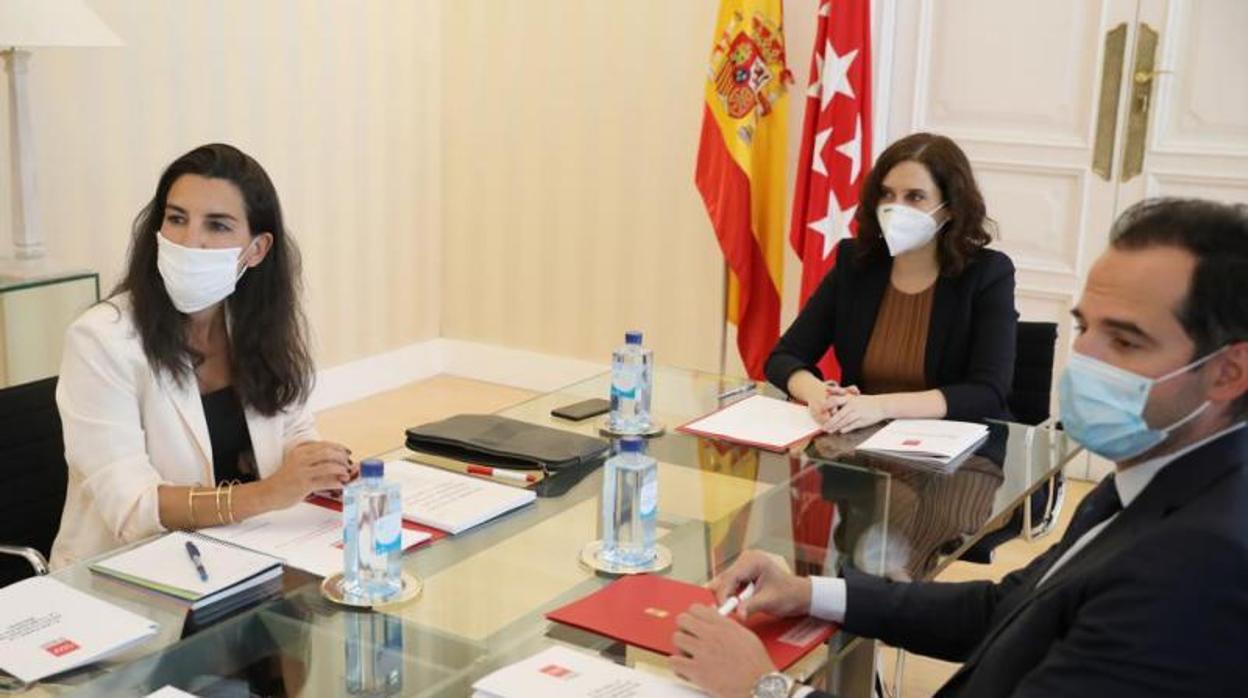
[(1102, 407)]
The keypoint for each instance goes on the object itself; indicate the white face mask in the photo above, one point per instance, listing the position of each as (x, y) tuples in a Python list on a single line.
[(197, 278), (906, 228)]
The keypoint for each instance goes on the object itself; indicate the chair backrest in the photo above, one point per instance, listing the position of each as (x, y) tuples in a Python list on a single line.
[(1033, 372), (33, 472)]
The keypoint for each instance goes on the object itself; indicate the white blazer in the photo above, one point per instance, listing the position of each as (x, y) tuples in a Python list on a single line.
[(129, 429)]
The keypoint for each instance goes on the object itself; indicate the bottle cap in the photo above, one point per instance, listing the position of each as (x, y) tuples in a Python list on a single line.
[(372, 467), (632, 337), (632, 444)]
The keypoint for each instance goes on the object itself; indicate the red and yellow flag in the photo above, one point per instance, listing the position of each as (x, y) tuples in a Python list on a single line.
[(740, 171)]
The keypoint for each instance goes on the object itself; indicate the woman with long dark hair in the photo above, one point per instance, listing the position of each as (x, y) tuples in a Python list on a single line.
[(919, 311), (183, 394)]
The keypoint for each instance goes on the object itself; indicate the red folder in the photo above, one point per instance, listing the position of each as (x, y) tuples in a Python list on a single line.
[(641, 611)]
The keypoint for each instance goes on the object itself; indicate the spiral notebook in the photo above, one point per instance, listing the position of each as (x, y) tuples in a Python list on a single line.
[(163, 565), (304, 536)]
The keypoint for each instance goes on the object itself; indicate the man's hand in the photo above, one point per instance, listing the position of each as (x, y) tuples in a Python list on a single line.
[(718, 654), (777, 591)]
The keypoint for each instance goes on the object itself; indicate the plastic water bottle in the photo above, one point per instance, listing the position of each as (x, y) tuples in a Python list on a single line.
[(630, 505), (372, 532), (374, 649), (631, 385)]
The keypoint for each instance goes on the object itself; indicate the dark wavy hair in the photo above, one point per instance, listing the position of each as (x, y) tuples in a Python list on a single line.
[(268, 333), (963, 234)]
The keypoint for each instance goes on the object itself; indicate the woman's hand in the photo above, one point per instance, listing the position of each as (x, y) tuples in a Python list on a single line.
[(852, 410), (306, 468)]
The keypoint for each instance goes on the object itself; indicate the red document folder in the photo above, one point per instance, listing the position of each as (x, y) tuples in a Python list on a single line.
[(641, 611)]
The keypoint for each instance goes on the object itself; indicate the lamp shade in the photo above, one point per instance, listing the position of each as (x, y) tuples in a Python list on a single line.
[(35, 23)]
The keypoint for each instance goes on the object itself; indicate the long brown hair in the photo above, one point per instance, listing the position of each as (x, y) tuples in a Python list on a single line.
[(268, 337), (963, 234)]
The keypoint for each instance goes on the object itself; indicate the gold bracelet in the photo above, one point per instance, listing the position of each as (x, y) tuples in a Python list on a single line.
[(198, 494), (220, 518), (190, 504), (229, 500)]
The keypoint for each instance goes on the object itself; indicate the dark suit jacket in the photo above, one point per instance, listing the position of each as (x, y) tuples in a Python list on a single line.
[(1155, 605), (970, 339)]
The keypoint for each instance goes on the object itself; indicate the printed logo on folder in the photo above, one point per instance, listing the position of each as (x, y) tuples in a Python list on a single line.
[(642, 610), (558, 672), (61, 647)]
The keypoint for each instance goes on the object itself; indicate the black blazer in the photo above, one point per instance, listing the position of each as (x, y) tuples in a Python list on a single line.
[(970, 340), (1155, 605)]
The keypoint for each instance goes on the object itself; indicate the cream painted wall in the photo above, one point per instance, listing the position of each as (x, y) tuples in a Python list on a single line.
[(571, 131), (338, 100)]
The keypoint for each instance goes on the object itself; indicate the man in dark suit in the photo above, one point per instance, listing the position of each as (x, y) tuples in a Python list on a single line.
[(1147, 592)]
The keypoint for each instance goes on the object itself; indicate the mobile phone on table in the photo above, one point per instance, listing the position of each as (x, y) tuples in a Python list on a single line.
[(584, 409)]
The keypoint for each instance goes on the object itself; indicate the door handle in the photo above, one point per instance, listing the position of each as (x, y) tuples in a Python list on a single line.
[(1143, 77), (1107, 106)]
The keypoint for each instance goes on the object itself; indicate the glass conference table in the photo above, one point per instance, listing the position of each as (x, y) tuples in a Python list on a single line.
[(486, 591)]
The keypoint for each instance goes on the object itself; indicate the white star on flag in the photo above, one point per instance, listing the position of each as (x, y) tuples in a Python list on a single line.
[(851, 149), (835, 225), (835, 68), (817, 163)]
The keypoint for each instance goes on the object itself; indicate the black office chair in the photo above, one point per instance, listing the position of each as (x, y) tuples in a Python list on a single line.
[(1029, 402), (33, 476)]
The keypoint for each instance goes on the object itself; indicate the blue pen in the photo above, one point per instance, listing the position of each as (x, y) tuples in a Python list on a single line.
[(199, 562)]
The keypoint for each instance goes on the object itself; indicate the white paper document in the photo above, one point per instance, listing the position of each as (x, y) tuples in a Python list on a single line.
[(759, 421), (305, 536), (165, 566), (560, 672), (938, 441), (449, 501), (48, 627)]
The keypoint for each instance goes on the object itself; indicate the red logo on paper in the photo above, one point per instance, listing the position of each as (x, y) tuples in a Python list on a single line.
[(558, 672), (61, 647), (911, 442)]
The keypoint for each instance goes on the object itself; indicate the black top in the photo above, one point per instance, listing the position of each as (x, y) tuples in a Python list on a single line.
[(971, 336), (232, 457)]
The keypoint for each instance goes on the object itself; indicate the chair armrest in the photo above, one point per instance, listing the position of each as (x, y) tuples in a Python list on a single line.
[(34, 557)]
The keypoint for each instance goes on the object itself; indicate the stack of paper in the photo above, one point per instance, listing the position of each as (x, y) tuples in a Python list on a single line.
[(305, 536), (559, 672), (47, 627), (759, 421), (449, 501), (934, 442), (163, 565)]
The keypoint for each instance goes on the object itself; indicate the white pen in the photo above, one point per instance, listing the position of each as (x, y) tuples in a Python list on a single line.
[(733, 601)]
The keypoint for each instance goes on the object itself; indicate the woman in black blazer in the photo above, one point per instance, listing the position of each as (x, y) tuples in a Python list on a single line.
[(919, 311)]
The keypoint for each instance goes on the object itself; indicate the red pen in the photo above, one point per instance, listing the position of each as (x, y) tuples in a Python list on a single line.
[(502, 474)]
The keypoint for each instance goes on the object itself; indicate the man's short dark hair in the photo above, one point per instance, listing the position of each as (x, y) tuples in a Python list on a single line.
[(1215, 312)]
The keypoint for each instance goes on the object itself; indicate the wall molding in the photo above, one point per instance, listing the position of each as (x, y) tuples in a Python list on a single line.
[(517, 368)]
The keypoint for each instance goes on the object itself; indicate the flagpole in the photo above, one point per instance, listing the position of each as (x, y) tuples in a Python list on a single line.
[(723, 327)]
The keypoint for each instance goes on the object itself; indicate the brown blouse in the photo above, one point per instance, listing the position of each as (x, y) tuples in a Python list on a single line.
[(895, 358)]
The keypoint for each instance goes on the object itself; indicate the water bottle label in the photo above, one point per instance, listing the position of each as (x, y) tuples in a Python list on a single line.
[(624, 380), (649, 496), (387, 533)]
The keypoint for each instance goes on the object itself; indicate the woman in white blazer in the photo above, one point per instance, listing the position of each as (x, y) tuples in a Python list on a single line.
[(183, 394)]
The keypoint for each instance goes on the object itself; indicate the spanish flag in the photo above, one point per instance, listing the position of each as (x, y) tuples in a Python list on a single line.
[(740, 171)]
